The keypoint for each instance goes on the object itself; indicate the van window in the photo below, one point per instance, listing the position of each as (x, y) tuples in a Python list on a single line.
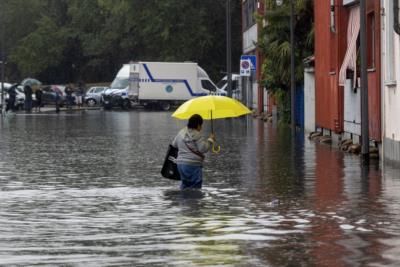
[(120, 83), (206, 84)]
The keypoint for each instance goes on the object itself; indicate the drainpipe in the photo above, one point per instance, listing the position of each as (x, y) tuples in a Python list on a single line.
[(396, 22), (228, 48), (364, 83)]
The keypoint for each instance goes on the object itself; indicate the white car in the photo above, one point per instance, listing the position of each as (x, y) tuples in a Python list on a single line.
[(19, 98), (94, 95)]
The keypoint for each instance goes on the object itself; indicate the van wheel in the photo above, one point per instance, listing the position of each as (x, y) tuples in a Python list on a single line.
[(165, 106)]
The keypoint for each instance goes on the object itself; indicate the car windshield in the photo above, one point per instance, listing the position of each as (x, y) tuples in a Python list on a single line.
[(120, 83)]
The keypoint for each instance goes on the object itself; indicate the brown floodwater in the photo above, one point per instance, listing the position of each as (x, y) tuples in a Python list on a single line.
[(84, 189)]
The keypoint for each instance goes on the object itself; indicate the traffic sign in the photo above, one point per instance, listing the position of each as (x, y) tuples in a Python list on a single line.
[(245, 67), (253, 60)]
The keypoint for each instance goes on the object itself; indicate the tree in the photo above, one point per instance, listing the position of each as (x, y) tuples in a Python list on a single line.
[(68, 40), (275, 44)]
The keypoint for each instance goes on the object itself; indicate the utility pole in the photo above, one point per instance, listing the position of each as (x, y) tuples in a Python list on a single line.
[(292, 69), (364, 82), (228, 48)]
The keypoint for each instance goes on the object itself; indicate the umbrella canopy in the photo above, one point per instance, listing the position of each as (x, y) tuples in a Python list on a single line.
[(30, 82), (211, 107)]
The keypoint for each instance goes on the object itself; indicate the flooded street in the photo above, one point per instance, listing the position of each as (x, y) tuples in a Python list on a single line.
[(84, 189)]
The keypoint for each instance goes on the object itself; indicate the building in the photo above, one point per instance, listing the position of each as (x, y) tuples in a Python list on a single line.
[(391, 81), (337, 69), (254, 92)]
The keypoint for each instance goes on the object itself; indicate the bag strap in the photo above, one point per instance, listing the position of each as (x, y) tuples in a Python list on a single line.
[(195, 152)]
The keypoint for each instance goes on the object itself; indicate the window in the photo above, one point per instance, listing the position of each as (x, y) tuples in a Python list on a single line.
[(333, 18), (99, 90), (389, 45), (206, 84), (371, 45), (249, 8)]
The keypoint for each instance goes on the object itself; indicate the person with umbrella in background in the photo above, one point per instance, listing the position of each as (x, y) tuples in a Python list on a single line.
[(38, 95), (28, 85), (191, 149), (28, 97)]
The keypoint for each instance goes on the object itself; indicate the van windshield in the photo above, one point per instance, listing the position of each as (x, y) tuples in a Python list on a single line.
[(120, 83)]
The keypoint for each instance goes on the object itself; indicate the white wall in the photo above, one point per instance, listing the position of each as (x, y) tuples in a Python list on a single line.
[(391, 85), (249, 38), (309, 100), (352, 108)]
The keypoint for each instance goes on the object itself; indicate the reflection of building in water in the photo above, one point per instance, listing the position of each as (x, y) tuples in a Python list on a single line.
[(326, 233), (347, 202)]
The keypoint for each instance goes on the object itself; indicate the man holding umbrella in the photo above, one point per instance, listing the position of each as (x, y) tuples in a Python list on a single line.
[(28, 83)]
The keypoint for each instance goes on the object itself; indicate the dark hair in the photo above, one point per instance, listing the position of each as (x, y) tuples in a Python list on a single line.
[(195, 121)]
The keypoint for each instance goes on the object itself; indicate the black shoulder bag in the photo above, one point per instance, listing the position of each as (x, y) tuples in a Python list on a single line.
[(170, 169)]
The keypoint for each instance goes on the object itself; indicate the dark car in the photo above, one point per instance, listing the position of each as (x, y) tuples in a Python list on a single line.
[(49, 95)]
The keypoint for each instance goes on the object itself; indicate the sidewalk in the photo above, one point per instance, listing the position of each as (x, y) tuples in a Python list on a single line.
[(52, 109), (64, 109)]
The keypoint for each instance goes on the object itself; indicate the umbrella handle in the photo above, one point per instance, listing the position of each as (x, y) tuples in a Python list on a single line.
[(216, 148)]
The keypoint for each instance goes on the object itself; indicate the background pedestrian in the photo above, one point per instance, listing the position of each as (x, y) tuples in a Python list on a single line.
[(28, 98)]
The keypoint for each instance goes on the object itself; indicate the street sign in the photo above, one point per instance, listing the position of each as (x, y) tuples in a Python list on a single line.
[(245, 67), (253, 60)]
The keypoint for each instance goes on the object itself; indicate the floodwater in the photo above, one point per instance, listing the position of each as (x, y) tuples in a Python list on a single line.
[(84, 189)]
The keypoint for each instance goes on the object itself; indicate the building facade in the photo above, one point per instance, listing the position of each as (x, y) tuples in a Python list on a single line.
[(337, 69), (254, 92), (391, 81)]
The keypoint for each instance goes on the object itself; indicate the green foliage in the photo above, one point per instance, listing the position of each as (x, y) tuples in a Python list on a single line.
[(275, 42), (37, 52), (66, 40), (283, 103)]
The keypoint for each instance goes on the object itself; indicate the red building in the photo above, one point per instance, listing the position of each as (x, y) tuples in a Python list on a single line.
[(337, 67)]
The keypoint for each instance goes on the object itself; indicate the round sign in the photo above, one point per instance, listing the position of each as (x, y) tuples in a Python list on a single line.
[(245, 64)]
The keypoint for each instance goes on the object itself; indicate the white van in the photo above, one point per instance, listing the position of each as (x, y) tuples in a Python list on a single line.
[(158, 84)]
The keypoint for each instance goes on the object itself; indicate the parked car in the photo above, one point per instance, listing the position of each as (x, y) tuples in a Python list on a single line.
[(94, 95), (115, 98)]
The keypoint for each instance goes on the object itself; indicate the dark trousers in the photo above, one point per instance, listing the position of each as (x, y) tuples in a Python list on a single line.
[(10, 104), (28, 104)]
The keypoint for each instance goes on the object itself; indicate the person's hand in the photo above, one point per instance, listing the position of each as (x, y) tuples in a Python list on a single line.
[(212, 137)]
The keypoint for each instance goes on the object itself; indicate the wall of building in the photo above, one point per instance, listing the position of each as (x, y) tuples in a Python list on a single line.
[(330, 48), (309, 100), (390, 86)]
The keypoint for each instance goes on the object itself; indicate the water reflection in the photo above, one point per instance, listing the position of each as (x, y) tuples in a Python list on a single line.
[(85, 189)]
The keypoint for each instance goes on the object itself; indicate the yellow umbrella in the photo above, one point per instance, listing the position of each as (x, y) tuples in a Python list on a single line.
[(211, 107)]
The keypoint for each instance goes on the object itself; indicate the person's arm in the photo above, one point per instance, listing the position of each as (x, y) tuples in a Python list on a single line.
[(204, 145)]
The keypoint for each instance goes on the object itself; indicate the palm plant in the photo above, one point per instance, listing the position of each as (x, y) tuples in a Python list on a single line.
[(274, 42)]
